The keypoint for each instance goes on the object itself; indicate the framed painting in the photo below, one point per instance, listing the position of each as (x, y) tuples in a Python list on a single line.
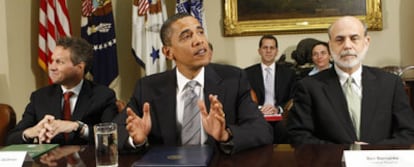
[(258, 17)]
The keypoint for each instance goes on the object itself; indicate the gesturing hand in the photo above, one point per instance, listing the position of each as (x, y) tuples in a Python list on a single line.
[(139, 128), (214, 122)]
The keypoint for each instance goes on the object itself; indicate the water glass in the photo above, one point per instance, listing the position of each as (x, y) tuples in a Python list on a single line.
[(106, 144)]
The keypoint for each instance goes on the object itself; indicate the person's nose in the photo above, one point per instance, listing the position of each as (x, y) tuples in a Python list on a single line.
[(198, 40), (268, 49), (52, 66), (348, 43)]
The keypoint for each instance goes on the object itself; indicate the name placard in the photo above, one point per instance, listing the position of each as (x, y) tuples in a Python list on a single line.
[(12, 158), (379, 158)]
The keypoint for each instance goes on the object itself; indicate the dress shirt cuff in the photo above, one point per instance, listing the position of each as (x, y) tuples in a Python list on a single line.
[(227, 146), (85, 133), (280, 109), (131, 143), (24, 138), (27, 140)]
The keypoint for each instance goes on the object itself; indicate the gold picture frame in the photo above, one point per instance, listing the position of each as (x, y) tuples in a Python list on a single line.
[(315, 22)]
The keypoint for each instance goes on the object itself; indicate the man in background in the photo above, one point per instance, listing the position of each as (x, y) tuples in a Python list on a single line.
[(273, 84)]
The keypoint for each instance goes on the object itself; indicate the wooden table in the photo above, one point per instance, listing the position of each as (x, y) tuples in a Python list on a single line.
[(282, 155)]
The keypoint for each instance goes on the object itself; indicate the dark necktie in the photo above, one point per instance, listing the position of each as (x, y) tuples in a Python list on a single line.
[(190, 132), (66, 109)]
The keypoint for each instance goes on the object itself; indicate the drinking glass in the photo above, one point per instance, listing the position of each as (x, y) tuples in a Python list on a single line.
[(106, 144)]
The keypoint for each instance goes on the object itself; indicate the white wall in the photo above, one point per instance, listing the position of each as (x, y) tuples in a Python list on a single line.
[(18, 40), (4, 59), (20, 74)]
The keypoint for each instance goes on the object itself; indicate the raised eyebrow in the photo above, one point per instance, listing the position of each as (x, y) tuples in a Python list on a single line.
[(200, 28), (186, 31)]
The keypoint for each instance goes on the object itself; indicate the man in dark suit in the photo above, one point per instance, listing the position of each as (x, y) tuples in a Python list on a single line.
[(44, 118), (155, 112), (271, 98), (351, 103)]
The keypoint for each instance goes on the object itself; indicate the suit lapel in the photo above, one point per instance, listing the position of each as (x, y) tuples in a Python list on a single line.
[(368, 102), (212, 83), (337, 100), (278, 74), (258, 83), (55, 104), (260, 79), (212, 86), (165, 107), (83, 102)]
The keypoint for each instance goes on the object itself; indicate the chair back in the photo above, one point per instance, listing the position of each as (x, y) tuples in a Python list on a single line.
[(7, 121)]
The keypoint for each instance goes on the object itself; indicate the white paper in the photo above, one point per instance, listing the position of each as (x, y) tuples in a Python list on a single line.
[(379, 158), (12, 158)]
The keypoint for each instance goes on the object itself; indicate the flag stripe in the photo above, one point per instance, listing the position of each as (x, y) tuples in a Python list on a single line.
[(62, 22), (49, 16), (143, 7)]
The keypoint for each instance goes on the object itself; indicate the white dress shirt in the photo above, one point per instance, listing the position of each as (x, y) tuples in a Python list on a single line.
[(181, 82), (73, 99), (357, 76)]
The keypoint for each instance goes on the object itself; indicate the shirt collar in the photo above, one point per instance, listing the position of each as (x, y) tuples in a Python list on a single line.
[(182, 80), (316, 70), (343, 76), (75, 89), (272, 66)]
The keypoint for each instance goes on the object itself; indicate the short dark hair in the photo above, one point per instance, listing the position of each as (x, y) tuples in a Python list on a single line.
[(268, 37), (80, 50), (165, 32)]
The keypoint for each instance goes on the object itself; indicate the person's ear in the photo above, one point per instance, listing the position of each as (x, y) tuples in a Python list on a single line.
[(167, 52), (81, 66), (367, 40)]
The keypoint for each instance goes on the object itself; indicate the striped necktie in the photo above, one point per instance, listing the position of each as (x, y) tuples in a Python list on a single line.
[(191, 127)]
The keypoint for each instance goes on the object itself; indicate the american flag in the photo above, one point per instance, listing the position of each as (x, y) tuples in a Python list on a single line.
[(98, 28), (143, 6), (193, 7), (54, 23), (147, 18)]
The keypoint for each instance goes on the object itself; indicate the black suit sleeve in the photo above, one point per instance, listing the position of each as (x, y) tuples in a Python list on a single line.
[(120, 120), (249, 129), (402, 117), (300, 122), (28, 120)]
